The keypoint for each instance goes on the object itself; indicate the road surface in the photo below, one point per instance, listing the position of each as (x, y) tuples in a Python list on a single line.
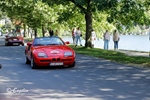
[(91, 79)]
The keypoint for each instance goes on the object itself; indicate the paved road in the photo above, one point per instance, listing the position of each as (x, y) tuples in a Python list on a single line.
[(2, 40), (91, 79)]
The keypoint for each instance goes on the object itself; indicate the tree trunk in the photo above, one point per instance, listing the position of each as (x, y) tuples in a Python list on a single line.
[(24, 32), (43, 31), (28, 32), (35, 32), (88, 18)]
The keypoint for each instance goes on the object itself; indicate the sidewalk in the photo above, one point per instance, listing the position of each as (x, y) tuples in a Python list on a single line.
[(134, 53)]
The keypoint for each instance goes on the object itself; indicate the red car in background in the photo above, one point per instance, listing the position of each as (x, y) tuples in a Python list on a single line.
[(14, 39), (49, 51)]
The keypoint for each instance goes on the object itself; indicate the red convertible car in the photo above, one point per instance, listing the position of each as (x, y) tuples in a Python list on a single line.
[(14, 39), (49, 51)]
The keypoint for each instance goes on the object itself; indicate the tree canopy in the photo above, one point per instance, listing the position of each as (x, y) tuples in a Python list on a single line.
[(99, 15)]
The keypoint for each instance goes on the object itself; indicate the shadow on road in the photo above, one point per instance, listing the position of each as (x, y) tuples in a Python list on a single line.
[(91, 79)]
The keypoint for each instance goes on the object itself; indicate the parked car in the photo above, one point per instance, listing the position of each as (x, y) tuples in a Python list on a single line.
[(49, 51), (14, 39)]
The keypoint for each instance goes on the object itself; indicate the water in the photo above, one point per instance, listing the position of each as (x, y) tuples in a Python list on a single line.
[(127, 42)]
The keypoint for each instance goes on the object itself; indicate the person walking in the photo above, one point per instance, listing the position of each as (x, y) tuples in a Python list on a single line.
[(115, 39), (78, 36), (93, 34), (106, 37)]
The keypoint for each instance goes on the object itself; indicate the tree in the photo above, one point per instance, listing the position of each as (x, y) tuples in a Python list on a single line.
[(34, 14), (119, 12)]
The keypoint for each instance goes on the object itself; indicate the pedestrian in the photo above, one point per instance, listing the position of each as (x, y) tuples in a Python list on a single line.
[(73, 35), (78, 36), (106, 37), (56, 32), (93, 34), (116, 39), (51, 32)]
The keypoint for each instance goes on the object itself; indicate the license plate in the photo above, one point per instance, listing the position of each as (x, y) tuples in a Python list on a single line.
[(15, 39), (56, 64), (15, 43)]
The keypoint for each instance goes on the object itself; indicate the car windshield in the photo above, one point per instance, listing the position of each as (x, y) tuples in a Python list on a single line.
[(48, 41), (15, 34)]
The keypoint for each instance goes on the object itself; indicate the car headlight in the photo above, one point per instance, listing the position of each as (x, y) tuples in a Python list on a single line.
[(68, 54), (10, 40), (42, 54)]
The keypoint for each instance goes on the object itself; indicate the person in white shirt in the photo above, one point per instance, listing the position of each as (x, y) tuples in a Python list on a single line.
[(106, 37), (78, 36), (93, 36)]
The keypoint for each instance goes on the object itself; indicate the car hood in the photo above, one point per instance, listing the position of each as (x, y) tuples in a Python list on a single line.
[(53, 50)]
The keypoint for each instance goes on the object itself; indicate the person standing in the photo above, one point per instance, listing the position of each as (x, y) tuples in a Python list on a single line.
[(56, 32), (106, 37), (78, 36), (116, 39), (51, 32), (93, 34), (73, 35)]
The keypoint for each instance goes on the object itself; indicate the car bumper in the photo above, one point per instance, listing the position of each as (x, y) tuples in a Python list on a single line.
[(15, 43), (51, 61)]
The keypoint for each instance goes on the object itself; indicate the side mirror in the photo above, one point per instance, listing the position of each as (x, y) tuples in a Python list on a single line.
[(67, 42)]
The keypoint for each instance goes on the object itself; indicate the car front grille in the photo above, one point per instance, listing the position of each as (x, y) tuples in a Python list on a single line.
[(55, 59), (45, 60), (66, 59)]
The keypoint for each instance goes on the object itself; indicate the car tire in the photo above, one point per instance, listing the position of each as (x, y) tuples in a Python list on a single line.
[(6, 44), (73, 65), (33, 65), (27, 60)]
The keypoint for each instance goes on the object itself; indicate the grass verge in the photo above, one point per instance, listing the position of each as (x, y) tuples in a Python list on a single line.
[(113, 56)]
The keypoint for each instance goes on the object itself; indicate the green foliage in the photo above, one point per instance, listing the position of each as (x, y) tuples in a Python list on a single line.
[(128, 13), (66, 14)]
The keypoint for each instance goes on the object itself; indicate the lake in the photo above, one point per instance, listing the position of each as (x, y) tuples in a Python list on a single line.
[(127, 42)]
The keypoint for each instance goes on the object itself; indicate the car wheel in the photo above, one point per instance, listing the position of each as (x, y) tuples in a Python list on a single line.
[(73, 65), (22, 44), (33, 65), (27, 60), (6, 44)]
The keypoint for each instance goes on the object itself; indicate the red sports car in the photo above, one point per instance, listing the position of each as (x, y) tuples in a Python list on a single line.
[(49, 51), (14, 39)]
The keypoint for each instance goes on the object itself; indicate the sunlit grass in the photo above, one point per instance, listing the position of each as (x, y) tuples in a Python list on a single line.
[(113, 56)]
